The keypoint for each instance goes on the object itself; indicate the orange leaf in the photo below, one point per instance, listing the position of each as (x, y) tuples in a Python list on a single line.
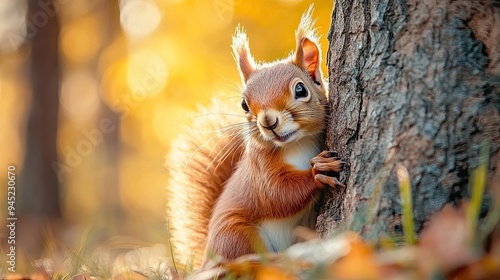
[(444, 244), (486, 268), (39, 275), (14, 276), (359, 263), (272, 272)]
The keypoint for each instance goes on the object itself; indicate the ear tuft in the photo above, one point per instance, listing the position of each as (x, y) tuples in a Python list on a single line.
[(306, 27), (241, 52), (308, 55)]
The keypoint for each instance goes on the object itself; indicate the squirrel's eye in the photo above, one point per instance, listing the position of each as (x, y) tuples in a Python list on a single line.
[(300, 90), (244, 106)]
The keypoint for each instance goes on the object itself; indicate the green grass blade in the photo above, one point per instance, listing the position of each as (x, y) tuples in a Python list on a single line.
[(406, 204), (477, 185), (171, 249)]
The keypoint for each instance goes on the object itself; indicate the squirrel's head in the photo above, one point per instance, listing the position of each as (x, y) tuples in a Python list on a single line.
[(285, 99)]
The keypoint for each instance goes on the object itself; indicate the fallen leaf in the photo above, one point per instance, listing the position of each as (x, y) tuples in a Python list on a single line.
[(486, 268), (273, 272), (444, 244), (359, 263), (14, 276), (39, 275), (320, 251)]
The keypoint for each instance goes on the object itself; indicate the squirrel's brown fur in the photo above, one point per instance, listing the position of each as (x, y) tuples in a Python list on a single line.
[(252, 182), (203, 157)]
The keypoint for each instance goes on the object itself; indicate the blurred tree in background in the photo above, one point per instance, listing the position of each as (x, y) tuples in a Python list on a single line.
[(39, 187), (38, 195)]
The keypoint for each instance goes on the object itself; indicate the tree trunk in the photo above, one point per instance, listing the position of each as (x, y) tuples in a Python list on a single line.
[(39, 188), (415, 83), (38, 183)]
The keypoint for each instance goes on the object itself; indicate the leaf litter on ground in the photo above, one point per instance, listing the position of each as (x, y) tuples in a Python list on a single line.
[(454, 244)]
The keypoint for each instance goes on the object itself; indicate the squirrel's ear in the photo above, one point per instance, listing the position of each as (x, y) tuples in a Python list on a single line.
[(241, 52), (307, 58), (307, 55)]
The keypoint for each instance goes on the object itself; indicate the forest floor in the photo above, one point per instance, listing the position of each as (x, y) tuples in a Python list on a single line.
[(455, 244)]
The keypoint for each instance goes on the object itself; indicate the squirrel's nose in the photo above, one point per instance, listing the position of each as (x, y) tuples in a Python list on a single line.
[(267, 123)]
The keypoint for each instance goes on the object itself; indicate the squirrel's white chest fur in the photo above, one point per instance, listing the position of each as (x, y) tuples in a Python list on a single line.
[(278, 234), (300, 153)]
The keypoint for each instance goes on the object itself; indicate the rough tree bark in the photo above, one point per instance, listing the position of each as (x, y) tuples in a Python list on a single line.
[(416, 83)]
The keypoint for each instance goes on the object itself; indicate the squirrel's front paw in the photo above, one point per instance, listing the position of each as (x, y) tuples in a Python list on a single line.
[(324, 162)]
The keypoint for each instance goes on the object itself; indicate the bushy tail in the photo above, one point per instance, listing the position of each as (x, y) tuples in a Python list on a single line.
[(201, 160)]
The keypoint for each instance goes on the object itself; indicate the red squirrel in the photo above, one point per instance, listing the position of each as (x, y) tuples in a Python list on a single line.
[(243, 190)]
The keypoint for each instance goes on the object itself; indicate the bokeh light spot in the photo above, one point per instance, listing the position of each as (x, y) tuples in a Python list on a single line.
[(139, 18), (81, 40), (13, 26), (79, 95)]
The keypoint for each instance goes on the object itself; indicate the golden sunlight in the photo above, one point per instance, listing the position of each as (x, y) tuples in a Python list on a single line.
[(147, 73), (79, 95), (139, 18), (80, 40)]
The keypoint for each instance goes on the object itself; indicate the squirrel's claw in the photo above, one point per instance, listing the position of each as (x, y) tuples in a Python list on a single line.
[(331, 181), (319, 159), (335, 166), (327, 161), (328, 154)]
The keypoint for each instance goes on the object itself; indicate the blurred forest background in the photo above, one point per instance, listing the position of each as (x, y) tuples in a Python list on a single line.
[(92, 92)]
